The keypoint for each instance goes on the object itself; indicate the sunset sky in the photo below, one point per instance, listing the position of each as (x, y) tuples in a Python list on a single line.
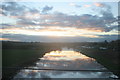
[(59, 21)]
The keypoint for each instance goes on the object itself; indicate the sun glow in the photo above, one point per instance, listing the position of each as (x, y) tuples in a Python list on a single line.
[(56, 32), (3, 39), (52, 31)]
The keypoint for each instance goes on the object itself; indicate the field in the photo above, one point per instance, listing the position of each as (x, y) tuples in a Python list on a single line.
[(23, 54)]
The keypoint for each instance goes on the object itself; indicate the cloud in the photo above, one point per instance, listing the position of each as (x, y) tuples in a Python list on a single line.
[(31, 17), (87, 5), (2, 26), (15, 10), (104, 9), (108, 17), (12, 9), (73, 4), (26, 38), (78, 21), (58, 31), (103, 5), (26, 23), (85, 21), (33, 10), (79, 6), (68, 32), (46, 9), (99, 4)]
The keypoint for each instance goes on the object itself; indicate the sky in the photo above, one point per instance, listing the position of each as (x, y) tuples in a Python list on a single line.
[(59, 21)]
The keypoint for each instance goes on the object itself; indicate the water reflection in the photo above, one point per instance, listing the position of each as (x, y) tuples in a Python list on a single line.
[(67, 59)]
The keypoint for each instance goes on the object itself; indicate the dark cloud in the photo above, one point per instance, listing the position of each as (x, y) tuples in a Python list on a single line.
[(107, 14), (26, 22), (34, 10), (2, 26), (12, 9), (78, 6), (80, 21), (5, 25), (46, 9), (105, 11), (27, 38), (91, 22), (15, 9)]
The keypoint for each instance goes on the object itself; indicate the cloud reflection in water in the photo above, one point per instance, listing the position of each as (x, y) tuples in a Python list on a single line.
[(67, 59)]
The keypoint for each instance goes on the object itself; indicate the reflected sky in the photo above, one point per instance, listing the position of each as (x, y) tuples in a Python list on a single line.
[(66, 59)]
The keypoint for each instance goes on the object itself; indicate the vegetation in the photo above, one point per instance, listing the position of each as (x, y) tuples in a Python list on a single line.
[(23, 54), (106, 54)]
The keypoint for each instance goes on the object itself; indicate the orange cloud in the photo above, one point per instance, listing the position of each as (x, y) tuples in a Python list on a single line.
[(87, 5), (98, 4)]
